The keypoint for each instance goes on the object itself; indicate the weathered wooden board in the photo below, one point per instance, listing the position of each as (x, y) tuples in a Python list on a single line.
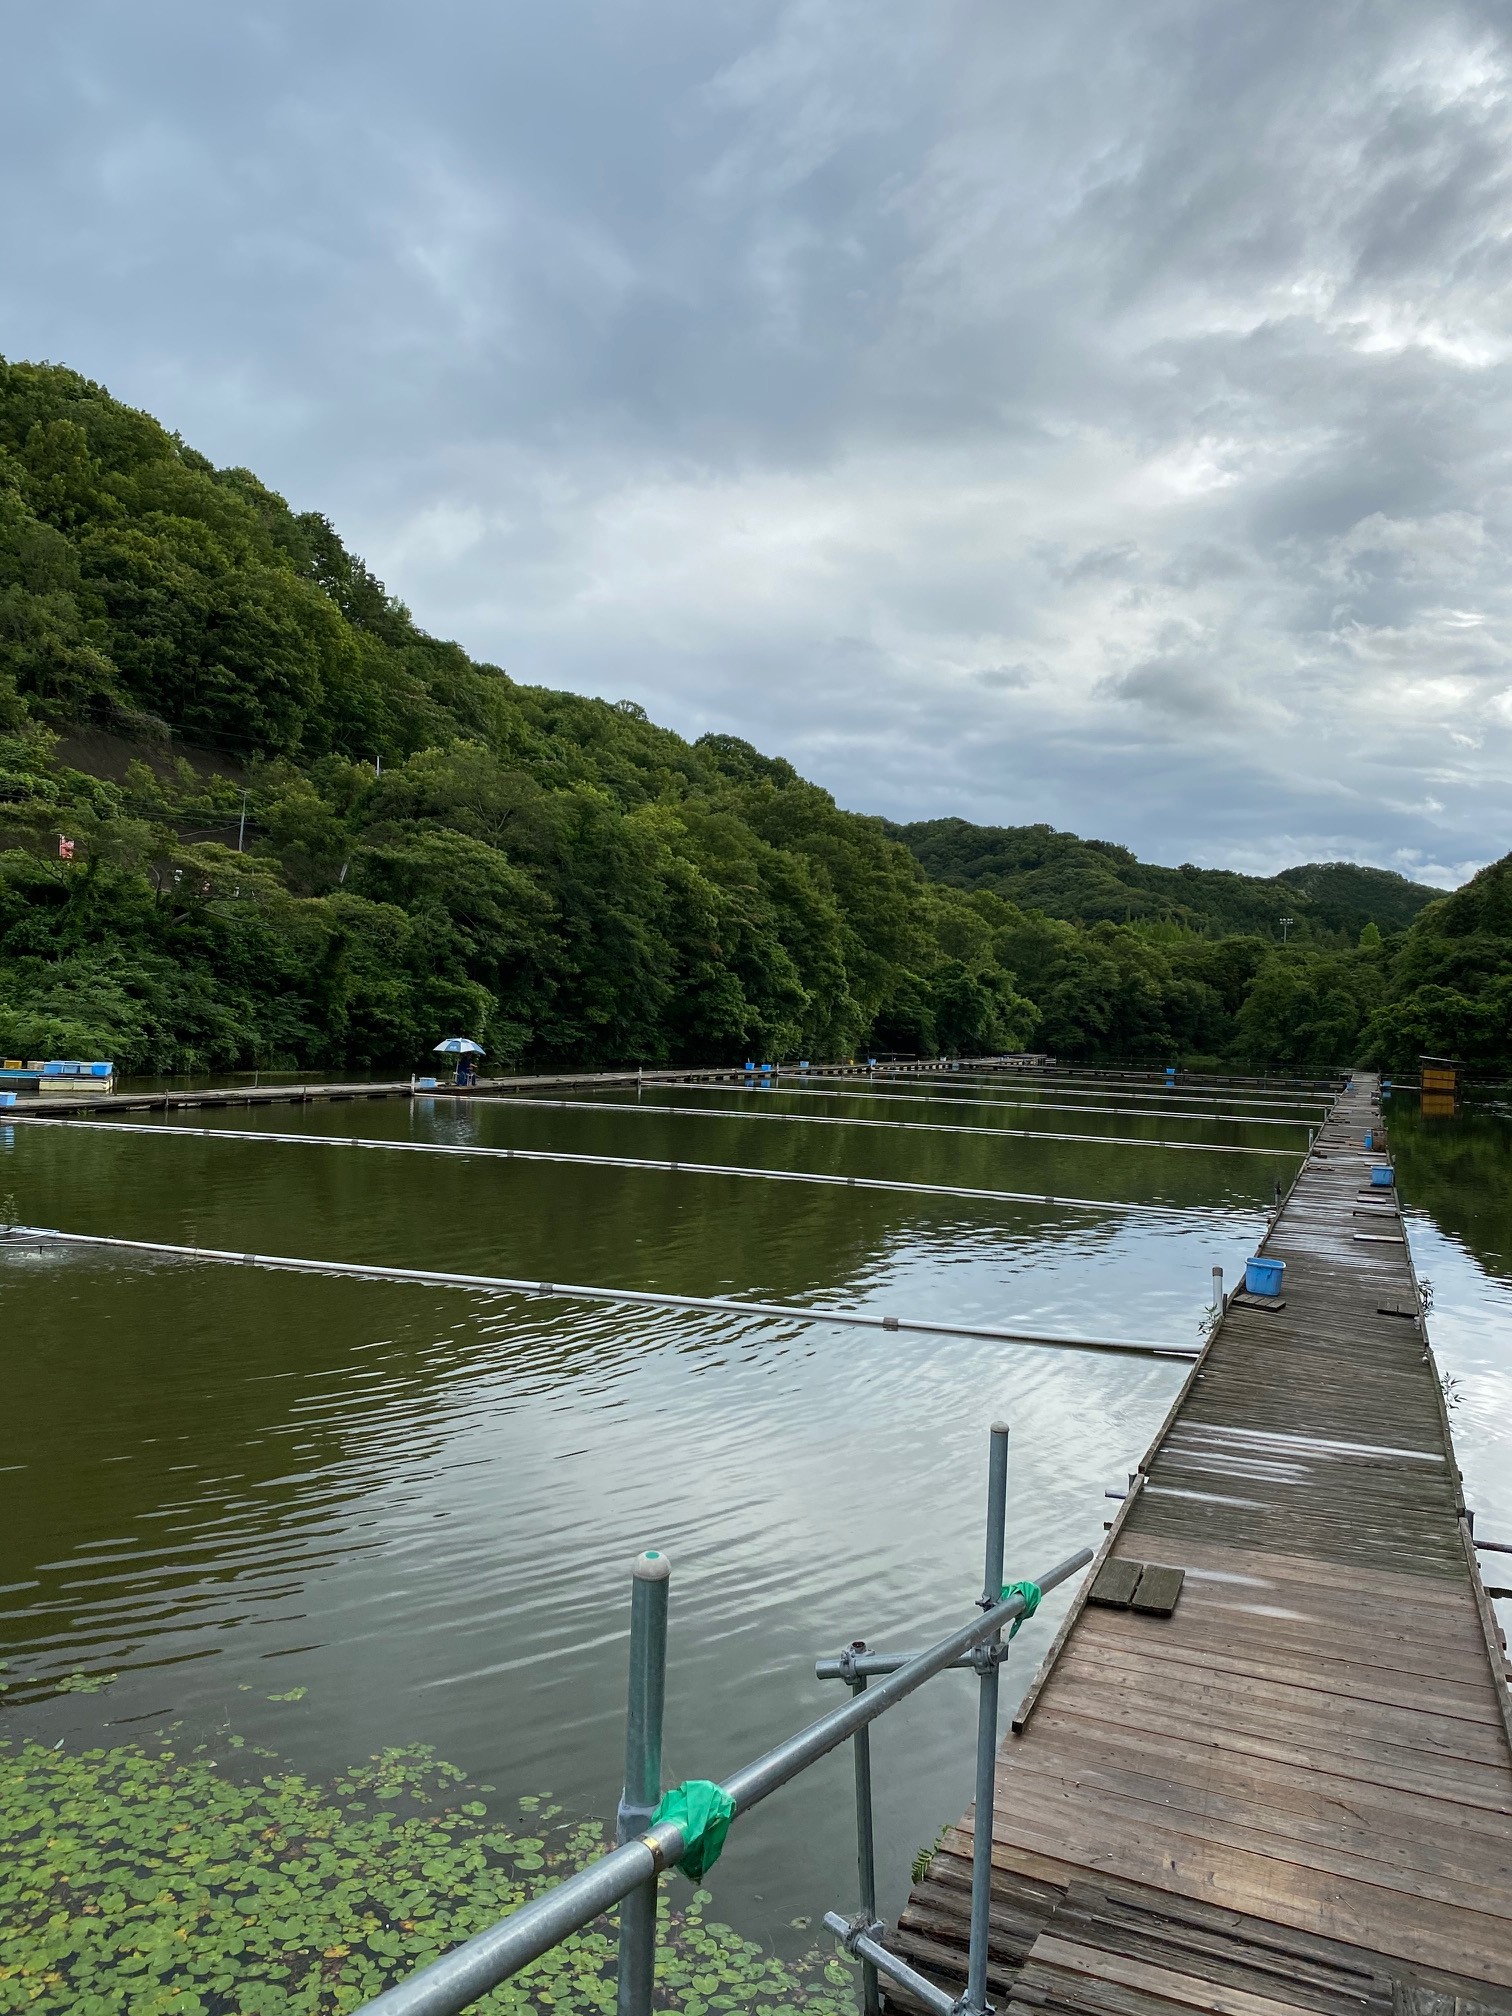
[(1317, 1744)]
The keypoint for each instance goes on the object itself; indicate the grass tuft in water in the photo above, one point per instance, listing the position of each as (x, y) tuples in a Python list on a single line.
[(152, 1880)]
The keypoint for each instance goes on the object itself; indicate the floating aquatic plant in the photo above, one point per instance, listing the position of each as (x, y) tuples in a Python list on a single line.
[(148, 1879)]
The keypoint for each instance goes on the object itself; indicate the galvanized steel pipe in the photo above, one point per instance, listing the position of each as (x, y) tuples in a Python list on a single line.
[(461, 1977)]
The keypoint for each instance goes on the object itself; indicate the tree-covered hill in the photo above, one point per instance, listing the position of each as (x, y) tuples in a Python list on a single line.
[(251, 814), (1090, 881)]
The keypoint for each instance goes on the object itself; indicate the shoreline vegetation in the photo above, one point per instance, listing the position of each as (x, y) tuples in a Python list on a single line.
[(252, 816)]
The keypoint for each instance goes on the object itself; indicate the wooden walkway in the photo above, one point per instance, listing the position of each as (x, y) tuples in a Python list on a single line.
[(286, 1093), (1295, 1792)]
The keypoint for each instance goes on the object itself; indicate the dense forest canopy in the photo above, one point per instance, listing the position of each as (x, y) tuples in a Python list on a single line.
[(300, 830), (1087, 881)]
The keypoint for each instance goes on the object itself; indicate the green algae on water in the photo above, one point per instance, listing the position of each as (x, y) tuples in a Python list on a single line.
[(150, 1879)]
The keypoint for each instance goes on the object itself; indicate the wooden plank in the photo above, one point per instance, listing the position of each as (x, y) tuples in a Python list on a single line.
[(1409, 1768), (1292, 1781), (1264, 1800), (1252, 1636), (1397, 1919), (1319, 1739), (1165, 1662), (1159, 1591), (1115, 1583), (1183, 1989)]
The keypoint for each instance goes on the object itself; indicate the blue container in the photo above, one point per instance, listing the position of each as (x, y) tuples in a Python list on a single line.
[(1263, 1277), (425, 1084), (1369, 1138), (7, 1098), (1381, 1179), (101, 1070)]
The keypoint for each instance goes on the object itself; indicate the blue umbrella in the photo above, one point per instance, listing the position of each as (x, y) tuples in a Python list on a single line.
[(458, 1045)]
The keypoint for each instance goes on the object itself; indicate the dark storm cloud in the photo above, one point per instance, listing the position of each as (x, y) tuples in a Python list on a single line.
[(1093, 414)]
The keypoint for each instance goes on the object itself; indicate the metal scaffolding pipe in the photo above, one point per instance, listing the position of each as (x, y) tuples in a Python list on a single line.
[(468, 1972), (865, 1942), (644, 1298)]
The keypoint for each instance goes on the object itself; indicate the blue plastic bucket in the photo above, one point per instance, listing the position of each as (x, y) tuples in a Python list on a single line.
[(425, 1084), (1381, 1179), (1369, 1138), (1263, 1277)]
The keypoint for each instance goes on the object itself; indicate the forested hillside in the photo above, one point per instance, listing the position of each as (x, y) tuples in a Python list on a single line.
[(249, 813), (1087, 881)]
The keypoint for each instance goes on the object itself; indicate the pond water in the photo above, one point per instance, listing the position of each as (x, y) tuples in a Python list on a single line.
[(414, 1509)]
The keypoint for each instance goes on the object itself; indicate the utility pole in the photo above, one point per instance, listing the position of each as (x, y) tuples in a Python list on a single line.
[(241, 831), (1286, 924)]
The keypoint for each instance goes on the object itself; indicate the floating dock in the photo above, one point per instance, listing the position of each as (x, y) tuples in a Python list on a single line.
[(179, 1099), (1294, 1792)]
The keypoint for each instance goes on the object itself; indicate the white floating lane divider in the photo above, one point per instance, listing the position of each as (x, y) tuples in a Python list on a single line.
[(862, 1090), (171, 1129), (1078, 1087), (909, 1126), (568, 1291)]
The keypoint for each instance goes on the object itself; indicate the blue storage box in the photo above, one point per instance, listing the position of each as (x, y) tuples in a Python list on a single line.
[(1369, 1138), (425, 1084), (7, 1098), (1263, 1277), (1381, 1179)]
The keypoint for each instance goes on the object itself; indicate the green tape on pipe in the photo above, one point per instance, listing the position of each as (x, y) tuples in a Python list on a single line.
[(1030, 1591), (703, 1811)]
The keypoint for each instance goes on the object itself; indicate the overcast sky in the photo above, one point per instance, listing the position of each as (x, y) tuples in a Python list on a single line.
[(1099, 414)]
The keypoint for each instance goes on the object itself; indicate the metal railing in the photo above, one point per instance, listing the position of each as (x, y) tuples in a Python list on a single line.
[(627, 1874)]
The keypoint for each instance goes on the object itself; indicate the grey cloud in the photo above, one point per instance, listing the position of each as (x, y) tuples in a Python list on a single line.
[(1181, 690), (1005, 678), (1098, 415)]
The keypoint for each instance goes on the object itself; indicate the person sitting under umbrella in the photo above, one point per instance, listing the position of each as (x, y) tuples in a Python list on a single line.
[(466, 1053)]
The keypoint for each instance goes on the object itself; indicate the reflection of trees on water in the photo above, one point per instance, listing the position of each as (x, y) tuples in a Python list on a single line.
[(181, 1438), (1458, 1167)]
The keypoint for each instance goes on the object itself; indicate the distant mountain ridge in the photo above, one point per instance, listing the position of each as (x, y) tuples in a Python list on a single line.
[(1096, 881)]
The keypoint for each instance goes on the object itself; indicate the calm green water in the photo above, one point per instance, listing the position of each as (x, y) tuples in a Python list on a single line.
[(420, 1506)]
